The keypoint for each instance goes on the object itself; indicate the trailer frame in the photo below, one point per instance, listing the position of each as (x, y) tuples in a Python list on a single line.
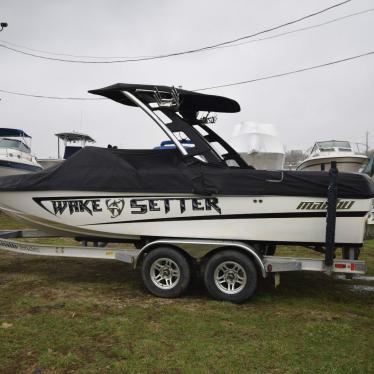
[(196, 249)]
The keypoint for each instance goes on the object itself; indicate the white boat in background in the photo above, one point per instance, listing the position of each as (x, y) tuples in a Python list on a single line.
[(72, 143), (15, 153), (348, 156), (259, 145)]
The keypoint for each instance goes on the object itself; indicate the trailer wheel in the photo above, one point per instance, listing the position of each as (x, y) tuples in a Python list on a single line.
[(231, 276), (166, 272)]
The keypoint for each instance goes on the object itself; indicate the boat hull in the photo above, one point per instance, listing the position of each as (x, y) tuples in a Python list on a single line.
[(130, 216), (47, 163), (351, 164), (9, 170)]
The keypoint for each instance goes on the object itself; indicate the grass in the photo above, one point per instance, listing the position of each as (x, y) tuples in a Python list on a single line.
[(88, 316)]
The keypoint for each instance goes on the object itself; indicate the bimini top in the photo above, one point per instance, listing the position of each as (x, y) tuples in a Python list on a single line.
[(190, 101), (16, 133), (75, 137)]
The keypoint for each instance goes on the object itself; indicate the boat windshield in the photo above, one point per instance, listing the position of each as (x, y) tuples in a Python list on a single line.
[(332, 145), (14, 144)]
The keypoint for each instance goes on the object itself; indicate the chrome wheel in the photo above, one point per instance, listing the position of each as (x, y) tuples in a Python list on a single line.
[(230, 277), (165, 273)]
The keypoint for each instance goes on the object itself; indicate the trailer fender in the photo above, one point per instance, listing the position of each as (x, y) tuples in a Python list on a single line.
[(197, 249)]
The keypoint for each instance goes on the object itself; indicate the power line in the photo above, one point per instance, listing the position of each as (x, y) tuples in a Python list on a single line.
[(65, 54), (209, 47), (287, 73), (300, 29), (224, 46), (51, 97), (211, 87)]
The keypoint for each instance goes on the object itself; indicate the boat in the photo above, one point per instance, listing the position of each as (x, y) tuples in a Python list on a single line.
[(15, 153), (168, 144), (72, 142), (348, 156), (202, 191), (259, 145)]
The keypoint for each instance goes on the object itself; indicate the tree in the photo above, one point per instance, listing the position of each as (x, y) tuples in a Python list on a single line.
[(293, 158)]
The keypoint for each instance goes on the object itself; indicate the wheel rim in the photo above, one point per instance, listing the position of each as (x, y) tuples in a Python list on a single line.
[(165, 273), (230, 277)]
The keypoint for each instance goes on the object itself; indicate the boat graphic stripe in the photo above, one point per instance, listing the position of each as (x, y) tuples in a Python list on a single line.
[(240, 216)]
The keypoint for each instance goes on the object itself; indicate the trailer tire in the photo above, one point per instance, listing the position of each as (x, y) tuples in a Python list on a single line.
[(231, 276), (166, 272)]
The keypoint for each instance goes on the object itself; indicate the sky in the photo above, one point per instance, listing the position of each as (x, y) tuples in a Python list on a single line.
[(330, 103)]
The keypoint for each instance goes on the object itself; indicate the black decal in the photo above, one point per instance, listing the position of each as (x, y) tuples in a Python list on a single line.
[(305, 205), (320, 205), (96, 206), (182, 205), (153, 206), (73, 206), (196, 204), (136, 205), (83, 206), (212, 202), (167, 205), (349, 206), (59, 206), (115, 206)]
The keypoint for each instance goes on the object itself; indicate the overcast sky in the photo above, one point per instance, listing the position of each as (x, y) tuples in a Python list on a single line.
[(334, 102)]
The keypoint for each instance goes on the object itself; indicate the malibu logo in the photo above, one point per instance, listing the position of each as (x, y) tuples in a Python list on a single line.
[(322, 205)]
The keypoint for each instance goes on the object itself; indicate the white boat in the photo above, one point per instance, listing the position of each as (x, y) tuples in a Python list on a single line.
[(259, 145), (348, 156), (15, 153), (72, 142), (186, 192)]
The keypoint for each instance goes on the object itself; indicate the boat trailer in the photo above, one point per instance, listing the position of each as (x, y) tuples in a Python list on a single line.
[(199, 252)]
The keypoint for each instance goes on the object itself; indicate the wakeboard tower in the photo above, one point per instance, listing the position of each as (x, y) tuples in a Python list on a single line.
[(202, 192)]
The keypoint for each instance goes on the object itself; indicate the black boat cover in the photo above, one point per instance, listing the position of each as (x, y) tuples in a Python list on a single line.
[(166, 171)]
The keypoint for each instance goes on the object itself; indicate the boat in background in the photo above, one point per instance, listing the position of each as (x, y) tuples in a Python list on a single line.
[(348, 156), (15, 153), (72, 142), (259, 145), (168, 144)]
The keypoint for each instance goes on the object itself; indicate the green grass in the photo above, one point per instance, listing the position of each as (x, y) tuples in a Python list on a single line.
[(88, 316)]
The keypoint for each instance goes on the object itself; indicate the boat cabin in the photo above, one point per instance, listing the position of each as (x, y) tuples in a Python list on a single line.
[(321, 148), (73, 142), (14, 139)]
